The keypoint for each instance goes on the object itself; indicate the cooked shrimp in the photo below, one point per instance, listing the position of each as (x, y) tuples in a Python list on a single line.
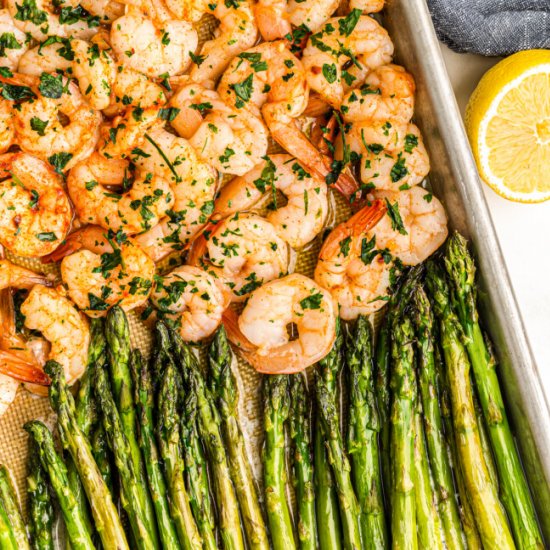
[(50, 312), (358, 39), (277, 17), (102, 268), (232, 140), (301, 218), (261, 333), (134, 88), (15, 43), (393, 156), (367, 6), (191, 297), (121, 135), (351, 267), (35, 212), (7, 130), (193, 183), (387, 94), (133, 211), (15, 276), (106, 10), (46, 58), (415, 226), (152, 50), (95, 70), (8, 392), (270, 80), (244, 252), (38, 19), (38, 123), (21, 359), (236, 33)]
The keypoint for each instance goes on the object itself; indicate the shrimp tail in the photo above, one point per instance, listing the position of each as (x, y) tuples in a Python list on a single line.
[(316, 106), (69, 246), (361, 222), (23, 371), (230, 322)]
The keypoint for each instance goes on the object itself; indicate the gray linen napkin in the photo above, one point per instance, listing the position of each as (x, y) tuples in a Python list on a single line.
[(492, 27)]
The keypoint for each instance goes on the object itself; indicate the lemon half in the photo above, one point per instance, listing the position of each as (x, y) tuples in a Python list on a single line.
[(508, 124)]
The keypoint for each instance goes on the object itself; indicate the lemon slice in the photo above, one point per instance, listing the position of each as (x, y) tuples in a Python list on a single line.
[(508, 123)]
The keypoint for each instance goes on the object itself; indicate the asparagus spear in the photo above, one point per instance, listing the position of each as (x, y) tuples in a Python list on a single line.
[(129, 480), (86, 411), (73, 516), (107, 522), (349, 507), (300, 434), (224, 388), (197, 475), (145, 401), (514, 490), (427, 515), (8, 500), (41, 513), (276, 409), (382, 359), (490, 517), (169, 439), (209, 424), (403, 505), (7, 536), (435, 438), (326, 502), (85, 405), (473, 542), (101, 453), (117, 332), (364, 425)]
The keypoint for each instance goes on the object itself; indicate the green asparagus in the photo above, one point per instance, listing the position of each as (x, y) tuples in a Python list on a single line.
[(41, 512), (224, 388), (349, 507), (489, 514), (402, 383), (102, 455), (197, 475), (300, 434), (8, 500), (276, 409), (169, 439), (73, 516), (326, 398), (382, 359), (7, 536), (473, 542), (327, 510), (120, 449), (117, 333), (435, 438), (106, 520), (363, 429), (209, 425), (144, 398), (514, 491), (427, 514), (86, 411)]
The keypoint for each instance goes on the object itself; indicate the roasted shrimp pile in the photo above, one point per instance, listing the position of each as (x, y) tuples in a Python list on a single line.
[(125, 138)]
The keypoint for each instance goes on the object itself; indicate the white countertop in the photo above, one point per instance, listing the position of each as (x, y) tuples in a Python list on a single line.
[(523, 230)]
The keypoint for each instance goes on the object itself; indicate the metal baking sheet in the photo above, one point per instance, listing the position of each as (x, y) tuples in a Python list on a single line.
[(456, 182)]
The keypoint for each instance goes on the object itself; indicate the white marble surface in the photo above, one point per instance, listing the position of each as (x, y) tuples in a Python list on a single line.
[(523, 230)]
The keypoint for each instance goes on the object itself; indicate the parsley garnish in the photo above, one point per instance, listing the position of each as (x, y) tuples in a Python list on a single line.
[(395, 217)]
